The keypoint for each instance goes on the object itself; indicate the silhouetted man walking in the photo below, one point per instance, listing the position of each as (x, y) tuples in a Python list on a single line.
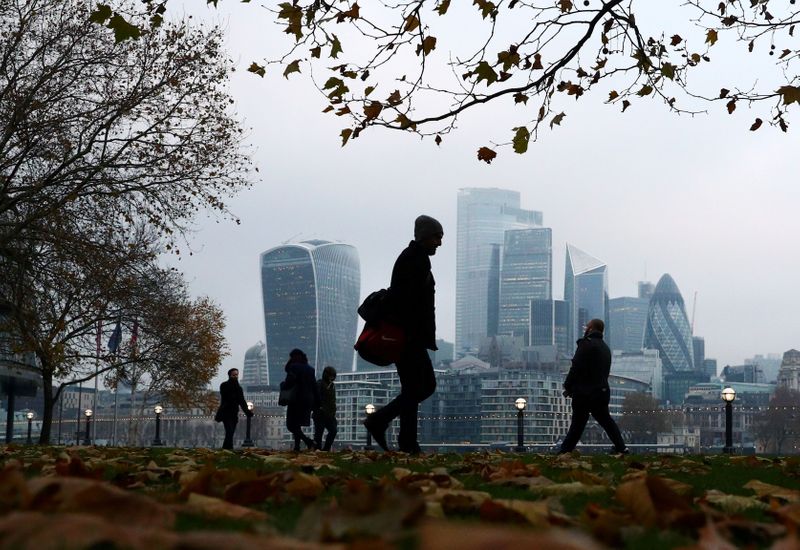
[(587, 385), (412, 303), (231, 398)]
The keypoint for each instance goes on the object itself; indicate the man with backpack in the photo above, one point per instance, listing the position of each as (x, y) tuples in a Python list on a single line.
[(411, 299)]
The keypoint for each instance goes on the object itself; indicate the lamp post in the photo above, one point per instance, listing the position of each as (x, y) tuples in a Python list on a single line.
[(520, 405), (248, 442), (728, 395), (369, 409), (87, 440), (158, 409), (30, 416)]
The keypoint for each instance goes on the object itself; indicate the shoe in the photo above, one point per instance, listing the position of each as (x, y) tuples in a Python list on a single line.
[(623, 452), (414, 449), (378, 432)]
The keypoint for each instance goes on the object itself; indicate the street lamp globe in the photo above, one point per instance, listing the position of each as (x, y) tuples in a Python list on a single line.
[(30, 415), (370, 408), (158, 409), (250, 406), (520, 403), (88, 413), (728, 394)]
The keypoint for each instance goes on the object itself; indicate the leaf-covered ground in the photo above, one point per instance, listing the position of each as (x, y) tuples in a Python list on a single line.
[(177, 498)]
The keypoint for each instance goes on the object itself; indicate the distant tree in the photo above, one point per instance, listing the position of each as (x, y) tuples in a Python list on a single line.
[(79, 278), (137, 129), (642, 418), (419, 65), (779, 424)]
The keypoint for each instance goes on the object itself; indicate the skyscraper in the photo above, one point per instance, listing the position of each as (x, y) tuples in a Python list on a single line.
[(627, 317), (254, 369), (549, 322), (668, 328), (311, 292), (483, 217), (526, 274), (585, 287), (646, 289), (699, 353)]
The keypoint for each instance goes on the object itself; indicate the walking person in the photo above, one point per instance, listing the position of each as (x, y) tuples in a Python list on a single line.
[(231, 398), (300, 376), (412, 303), (587, 385), (325, 416)]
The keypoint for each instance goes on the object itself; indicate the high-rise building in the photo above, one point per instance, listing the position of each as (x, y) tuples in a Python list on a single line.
[(549, 324), (699, 351), (770, 365), (627, 317), (484, 215), (710, 367), (646, 289), (311, 293), (254, 369), (585, 287), (668, 328), (526, 274), (493, 292)]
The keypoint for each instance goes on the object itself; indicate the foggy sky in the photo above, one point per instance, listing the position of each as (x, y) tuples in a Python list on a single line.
[(648, 192)]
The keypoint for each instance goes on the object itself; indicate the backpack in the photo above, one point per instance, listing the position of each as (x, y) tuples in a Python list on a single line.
[(375, 307)]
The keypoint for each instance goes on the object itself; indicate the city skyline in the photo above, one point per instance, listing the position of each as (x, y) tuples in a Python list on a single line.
[(642, 190)]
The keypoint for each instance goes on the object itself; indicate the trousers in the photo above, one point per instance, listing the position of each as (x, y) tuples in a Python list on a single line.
[(417, 383), (595, 404)]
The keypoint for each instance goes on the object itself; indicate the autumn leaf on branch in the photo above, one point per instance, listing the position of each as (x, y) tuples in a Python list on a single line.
[(487, 155), (293, 67), (257, 69), (521, 139)]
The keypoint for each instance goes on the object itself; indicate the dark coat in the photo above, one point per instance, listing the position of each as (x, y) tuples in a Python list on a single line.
[(591, 365), (231, 398), (412, 295), (306, 397)]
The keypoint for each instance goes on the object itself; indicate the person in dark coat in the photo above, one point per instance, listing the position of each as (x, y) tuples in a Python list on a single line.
[(325, 416), (412, 304), (587, 385), (300, 375), (231, 398)]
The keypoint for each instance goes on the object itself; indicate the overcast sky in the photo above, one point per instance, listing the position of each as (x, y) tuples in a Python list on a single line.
[(648, 192)]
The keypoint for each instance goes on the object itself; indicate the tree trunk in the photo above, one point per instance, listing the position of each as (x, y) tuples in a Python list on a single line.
[(47, 413)]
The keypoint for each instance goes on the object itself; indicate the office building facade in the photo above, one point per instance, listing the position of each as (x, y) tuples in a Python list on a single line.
[(668, 328), (627, 317), (310, 295), (526, 274), (254, 369), (585, 288), (484, 215), (549, 325)]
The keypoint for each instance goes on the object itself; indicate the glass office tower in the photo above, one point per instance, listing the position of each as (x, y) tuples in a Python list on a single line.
[(627, 317), (668, 328), (585, 288), (484, 215), (311, 293), (526, 274)]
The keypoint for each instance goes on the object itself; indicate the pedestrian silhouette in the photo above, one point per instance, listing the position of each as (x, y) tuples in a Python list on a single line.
[(301, 380), (325, 416)]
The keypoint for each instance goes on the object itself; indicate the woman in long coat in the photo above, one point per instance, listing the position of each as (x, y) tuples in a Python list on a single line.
[(301, 376)]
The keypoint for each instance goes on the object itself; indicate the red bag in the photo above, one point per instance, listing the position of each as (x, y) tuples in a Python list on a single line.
[(381, 343)]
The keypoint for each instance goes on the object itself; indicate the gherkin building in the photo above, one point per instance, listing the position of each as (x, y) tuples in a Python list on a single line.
[(668, 329)]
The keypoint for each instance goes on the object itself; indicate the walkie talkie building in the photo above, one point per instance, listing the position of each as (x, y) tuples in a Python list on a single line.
[(310, 293)]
